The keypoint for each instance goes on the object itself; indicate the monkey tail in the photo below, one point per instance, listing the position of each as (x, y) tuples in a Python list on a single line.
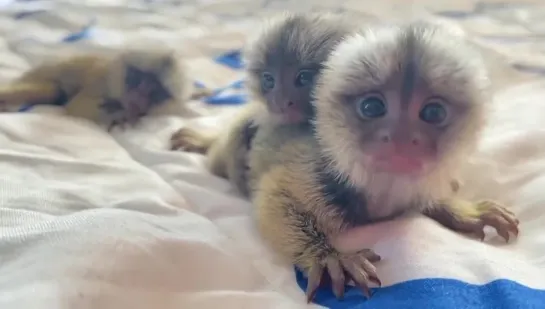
[(22, 95)]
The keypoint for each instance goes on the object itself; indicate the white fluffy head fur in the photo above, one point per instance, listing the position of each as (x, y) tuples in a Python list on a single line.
[(367, 61)]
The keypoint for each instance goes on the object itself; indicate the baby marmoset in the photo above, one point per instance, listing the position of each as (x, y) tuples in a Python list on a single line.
[(113, 89), (282, 61), (398, 110)]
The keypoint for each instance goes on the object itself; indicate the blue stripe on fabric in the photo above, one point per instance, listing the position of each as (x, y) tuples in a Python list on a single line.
[(83, 33), (26, 14), (219, 98), (232, 59), (198, 84), (234, 99), (435, 293), (26, 107)]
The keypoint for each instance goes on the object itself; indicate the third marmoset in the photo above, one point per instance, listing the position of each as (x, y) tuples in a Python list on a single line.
[(108, 89), (399, 108)]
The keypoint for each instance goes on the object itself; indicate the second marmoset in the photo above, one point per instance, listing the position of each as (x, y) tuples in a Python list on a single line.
[(282, 61), (399, 109), (108, 89)]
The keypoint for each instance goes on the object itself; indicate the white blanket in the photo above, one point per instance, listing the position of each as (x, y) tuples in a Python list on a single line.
[(93, 220)]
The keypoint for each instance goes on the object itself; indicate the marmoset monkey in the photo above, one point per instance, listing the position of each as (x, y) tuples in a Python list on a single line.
[(398, 109), (115, 89), (282, 62)]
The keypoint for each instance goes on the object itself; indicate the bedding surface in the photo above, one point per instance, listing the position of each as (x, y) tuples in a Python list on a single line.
[(96, 220)]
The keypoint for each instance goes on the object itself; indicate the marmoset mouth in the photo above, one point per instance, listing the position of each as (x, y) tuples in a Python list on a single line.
[(399, 164)]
